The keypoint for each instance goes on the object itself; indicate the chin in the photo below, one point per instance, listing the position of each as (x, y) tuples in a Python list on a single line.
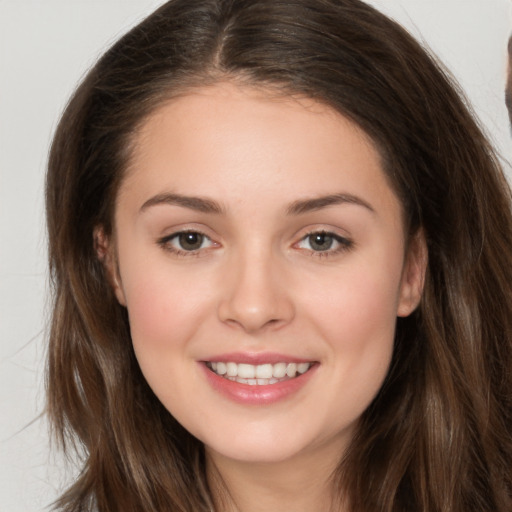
[(269, 447)]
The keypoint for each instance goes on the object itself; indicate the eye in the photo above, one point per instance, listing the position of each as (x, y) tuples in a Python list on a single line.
[(186, 242), (324, 242)]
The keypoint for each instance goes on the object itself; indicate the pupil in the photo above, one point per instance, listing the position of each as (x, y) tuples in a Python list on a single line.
[(190, 241), (321, 241)]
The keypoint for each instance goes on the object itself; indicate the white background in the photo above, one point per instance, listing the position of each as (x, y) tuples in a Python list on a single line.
[(45, 47)]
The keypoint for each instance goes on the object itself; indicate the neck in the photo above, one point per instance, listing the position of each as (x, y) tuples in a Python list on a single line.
[(301, 484)]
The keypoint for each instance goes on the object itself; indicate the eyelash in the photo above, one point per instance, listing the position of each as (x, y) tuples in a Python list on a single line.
[(344, 244), (166, 242)]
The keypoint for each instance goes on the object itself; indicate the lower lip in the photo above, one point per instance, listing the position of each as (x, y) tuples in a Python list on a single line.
[(257, 395)]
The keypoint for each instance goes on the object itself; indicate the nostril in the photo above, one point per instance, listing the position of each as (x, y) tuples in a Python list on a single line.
[(252, 324)]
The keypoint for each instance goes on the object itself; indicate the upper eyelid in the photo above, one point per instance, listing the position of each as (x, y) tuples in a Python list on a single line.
[(336, 236), (174, 231), (328, 230), (324, 232), (175, 234), (181, 231)]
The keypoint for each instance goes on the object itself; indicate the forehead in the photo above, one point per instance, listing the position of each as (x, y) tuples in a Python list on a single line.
[(204, 117), (231, 142)]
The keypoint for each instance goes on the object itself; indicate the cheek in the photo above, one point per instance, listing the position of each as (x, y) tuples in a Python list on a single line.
[(165, 313), (369, 306), (165, 309), (357, 316), (360, 299)]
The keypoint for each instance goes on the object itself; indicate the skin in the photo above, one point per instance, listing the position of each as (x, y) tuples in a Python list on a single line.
[(257, 284)]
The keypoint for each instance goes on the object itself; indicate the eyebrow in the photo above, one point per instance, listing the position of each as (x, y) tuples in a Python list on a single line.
[(316, 203), (298, 207), (199, 204)]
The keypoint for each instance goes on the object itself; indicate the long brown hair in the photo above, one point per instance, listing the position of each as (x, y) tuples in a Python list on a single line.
[(438, 435)]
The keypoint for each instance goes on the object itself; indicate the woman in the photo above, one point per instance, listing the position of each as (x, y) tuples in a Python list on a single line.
[(280, 247)]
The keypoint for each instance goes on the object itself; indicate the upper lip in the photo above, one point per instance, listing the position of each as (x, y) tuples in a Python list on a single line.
[(256, 358)]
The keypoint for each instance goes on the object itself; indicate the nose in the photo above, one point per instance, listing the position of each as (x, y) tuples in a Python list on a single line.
[(255, 295)]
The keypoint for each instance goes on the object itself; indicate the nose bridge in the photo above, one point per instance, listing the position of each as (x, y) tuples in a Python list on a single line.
[(255, 294)]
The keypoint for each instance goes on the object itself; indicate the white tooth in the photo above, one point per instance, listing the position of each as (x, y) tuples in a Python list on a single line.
[(279, 370), (246, 371), (252, 382), (263, 382), (214, 366), (264, 371), (291, 370), (303, 367), (272, 381), (232, 369), (221, 368)]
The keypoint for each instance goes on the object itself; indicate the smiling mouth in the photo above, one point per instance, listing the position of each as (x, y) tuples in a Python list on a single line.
[(258, 375)]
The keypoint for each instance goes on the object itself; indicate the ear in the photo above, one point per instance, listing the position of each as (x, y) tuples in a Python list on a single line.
[(105, 251), (413, 275)]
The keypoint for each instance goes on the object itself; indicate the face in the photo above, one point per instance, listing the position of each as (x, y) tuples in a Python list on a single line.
[(260, 252)]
